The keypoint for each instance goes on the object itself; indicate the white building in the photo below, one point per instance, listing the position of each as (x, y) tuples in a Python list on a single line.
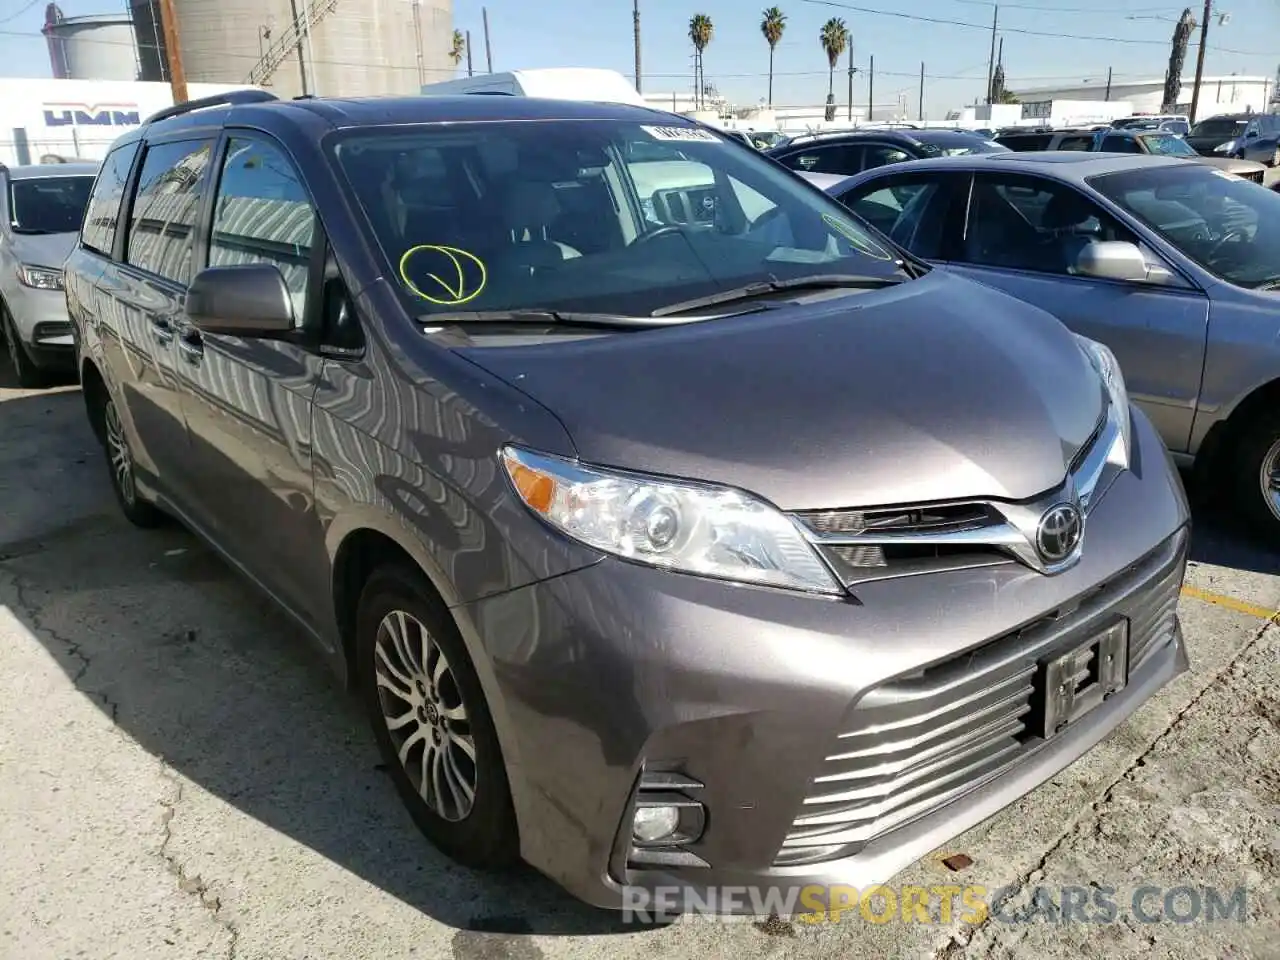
[(1218, 94), (78, 118)]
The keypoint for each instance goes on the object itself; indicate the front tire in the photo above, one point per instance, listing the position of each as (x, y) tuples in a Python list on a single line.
[(27, 373), (431, 721), (1257, 470), (120, 463)]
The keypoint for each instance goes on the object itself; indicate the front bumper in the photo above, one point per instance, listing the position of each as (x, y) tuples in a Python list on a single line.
[(40, 317), (754, 693)]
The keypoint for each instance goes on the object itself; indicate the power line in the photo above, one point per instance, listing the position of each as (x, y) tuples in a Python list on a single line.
[(17, 13), (1056, 9), (986, 28)]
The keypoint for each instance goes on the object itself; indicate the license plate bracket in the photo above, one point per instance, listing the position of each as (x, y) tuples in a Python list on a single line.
[(1074, 681)]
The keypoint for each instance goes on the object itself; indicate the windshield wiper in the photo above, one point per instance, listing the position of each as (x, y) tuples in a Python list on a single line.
[(574, 318), (829, 281), (30, 231)]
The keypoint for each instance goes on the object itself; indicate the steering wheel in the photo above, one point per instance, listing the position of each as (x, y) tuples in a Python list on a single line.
[(663, 231), (1229, 236)]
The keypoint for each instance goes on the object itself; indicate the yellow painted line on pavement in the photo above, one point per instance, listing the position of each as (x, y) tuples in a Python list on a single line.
[(1230, 603)]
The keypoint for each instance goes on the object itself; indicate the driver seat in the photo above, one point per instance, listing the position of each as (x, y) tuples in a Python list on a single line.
[(531, 208)]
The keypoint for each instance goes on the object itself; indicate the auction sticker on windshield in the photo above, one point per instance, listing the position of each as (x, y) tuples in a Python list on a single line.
[(681, 134)]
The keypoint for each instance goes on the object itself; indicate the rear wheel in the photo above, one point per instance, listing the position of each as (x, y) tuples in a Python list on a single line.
[(431, 721), (24, 369), (1258, 475), (115, 443)]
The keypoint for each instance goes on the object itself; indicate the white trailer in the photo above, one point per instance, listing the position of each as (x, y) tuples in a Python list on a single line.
[(555, 83)]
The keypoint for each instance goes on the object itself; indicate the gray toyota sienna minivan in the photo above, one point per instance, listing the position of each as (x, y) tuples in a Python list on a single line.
[(674, 527)]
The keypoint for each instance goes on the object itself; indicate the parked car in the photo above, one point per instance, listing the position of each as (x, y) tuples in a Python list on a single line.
[(41, 207), (1244, 136), (849, 152), (1171, 263), (1024, 140), (664, 543), (1169, 123), (1157, 143)]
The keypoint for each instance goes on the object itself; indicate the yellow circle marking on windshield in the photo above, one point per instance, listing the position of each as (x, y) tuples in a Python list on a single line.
[(860, 242), (456, 293)]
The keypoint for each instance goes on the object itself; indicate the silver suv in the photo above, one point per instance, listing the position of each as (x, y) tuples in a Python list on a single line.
[(671, 535), (41, 208)]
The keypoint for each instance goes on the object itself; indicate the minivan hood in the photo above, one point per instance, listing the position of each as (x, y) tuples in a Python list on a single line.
[(1231, 165), (43, 249), (936, 389)]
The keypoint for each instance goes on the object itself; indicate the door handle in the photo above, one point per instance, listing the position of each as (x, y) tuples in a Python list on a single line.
[(191, 347), (162, 330)]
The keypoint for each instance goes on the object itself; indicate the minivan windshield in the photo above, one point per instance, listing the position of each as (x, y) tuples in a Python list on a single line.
[(1167, 144), (597, 216), (1230, 226), (48, 204), (1219, 127)]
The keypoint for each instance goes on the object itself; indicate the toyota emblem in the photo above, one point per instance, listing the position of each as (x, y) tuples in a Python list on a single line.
[(1059, 532)]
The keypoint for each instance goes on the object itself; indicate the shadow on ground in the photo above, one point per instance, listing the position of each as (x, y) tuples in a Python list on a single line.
[(213, 681)]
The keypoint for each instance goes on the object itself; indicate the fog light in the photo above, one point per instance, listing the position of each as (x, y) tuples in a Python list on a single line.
[(655, 823)]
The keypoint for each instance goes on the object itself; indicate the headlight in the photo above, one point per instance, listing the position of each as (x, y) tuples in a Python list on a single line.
[(1224, 147), (692, 527), (1108, 367), (40, 278)]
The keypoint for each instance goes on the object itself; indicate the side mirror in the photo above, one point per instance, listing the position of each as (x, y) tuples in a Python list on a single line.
[(246, 300), (1113, 260), (1250, 134)]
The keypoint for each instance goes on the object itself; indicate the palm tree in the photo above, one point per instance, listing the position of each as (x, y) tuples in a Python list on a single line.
[(774, 22), (835, 41), (700, 32), (459, 48)]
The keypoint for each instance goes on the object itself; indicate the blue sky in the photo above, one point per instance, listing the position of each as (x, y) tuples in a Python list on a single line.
[(597, 33)]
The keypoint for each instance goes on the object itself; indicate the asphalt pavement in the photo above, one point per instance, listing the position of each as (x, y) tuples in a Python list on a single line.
[(180, 777)]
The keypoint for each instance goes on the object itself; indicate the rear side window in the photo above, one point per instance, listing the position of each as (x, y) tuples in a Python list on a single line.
[(1026, 142), (842, 159), (162, 228), (1120, 145), (99, 229), (1081, 142)]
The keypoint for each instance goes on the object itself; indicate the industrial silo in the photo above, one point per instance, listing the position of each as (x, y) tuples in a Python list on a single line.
[(325, 47), (99, 47)]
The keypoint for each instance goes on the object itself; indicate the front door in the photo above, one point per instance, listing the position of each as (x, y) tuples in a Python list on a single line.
[(141, 303), (1023, 235), (248, 401)]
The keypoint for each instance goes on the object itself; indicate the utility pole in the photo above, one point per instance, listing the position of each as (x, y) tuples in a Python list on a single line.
[(302, 54), (470, 72), (173, 52), (920, 109), (417, 41), (488, 50), (1204, 37), (311, 55), (871, 89), (635, 27), (851, 82), (991, 60), (1107, 96)]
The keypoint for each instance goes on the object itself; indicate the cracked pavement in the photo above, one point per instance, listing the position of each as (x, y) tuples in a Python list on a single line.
[(181, 777)]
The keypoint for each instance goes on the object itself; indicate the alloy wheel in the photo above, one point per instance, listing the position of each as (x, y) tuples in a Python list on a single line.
[(1269, 478), (422, 707), (119, 454)]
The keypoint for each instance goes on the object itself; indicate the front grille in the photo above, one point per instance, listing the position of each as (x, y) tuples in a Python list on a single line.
[(852, 562), (1255, 175), (875, 543), (920, 741)]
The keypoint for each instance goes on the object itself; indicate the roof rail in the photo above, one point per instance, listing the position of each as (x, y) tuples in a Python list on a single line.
[(217, 100)]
